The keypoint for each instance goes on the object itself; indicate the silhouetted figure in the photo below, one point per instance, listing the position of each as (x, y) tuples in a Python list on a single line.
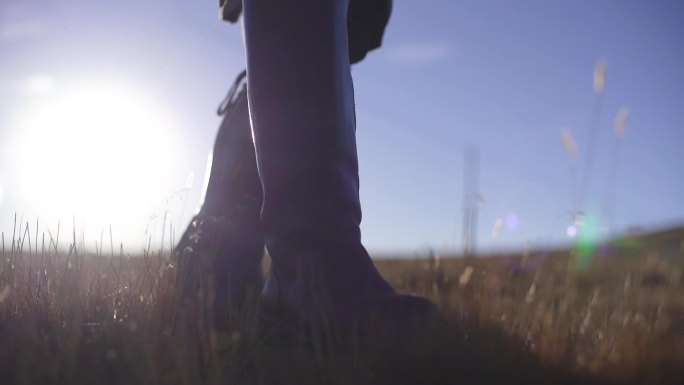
[(301, 104)]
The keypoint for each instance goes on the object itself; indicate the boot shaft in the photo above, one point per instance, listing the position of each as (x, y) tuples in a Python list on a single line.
[(302, 112), (301, 102)]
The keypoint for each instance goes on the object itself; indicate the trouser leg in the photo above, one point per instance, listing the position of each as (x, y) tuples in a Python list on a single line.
[(303, 121)]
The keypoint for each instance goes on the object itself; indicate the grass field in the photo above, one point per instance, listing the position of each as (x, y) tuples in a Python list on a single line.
[(615, 316)]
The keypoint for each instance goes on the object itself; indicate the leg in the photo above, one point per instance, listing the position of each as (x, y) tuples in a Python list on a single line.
[(302, 111), (224, 241)]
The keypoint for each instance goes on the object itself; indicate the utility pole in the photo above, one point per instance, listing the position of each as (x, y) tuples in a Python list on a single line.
[(470, 199)]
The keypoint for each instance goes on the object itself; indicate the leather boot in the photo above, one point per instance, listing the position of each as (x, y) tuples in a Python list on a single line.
[(220, 252), (301, 104)]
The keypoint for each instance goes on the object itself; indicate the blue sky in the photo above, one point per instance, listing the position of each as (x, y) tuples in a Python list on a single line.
[(506, 77)]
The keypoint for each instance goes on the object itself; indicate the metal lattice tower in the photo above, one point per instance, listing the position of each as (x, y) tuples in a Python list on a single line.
[(470, 199)]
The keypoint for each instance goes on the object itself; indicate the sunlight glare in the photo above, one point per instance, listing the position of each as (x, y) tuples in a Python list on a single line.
[(99, 151), (38, 85)]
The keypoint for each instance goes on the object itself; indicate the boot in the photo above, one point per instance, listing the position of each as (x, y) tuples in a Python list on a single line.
[(221, 250), (303, 121)]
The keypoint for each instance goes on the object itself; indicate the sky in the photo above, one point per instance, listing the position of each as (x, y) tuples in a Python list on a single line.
[(107, 116)]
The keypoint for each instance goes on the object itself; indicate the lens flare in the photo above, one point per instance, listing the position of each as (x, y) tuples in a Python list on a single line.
[(512, 222), (587, 239)]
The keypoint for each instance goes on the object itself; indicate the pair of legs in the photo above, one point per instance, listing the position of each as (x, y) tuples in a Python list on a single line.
[(302, 119)]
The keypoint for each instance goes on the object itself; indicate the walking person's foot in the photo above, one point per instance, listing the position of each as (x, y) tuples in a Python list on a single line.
[(301, 101), (219, 255)]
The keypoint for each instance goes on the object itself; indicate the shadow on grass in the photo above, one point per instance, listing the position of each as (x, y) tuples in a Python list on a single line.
[(121, 354)]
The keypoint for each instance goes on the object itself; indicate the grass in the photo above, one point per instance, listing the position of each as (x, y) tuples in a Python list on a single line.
[(538, 318)]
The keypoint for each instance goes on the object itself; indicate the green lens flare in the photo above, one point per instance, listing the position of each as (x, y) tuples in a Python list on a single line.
[(586, 243)]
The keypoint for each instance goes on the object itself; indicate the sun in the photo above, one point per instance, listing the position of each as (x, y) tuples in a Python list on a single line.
[(100, 152)]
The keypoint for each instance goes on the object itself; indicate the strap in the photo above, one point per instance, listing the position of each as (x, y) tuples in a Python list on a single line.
[(231, 97)]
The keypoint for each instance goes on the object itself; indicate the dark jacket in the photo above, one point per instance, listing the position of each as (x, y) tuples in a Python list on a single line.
[(366, 22)]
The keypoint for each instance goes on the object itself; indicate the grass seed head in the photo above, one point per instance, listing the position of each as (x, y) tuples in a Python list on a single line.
[(620, 123), (4, 294), (569, 144), (497, 228), (600, 76), (465, 276)]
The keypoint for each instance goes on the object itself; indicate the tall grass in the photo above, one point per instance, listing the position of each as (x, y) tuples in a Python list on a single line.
[(73, 316)]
